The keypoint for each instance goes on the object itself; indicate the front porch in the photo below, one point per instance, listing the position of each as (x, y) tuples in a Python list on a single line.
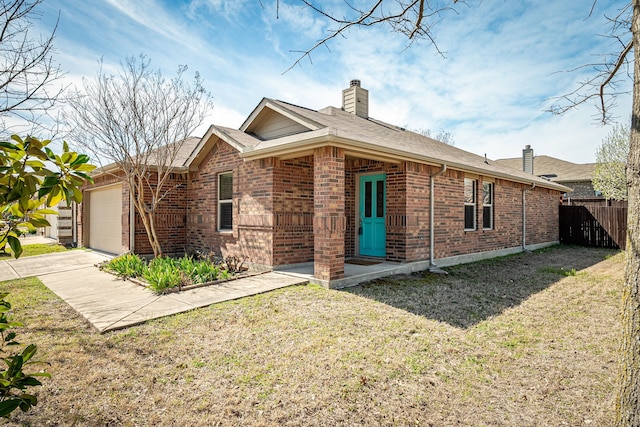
[(354, 274), (333, 206)]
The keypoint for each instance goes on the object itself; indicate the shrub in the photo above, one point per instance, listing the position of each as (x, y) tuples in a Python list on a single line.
[(13, 380), (127, 265), (165, 273), (162, 275), (204, 271), (235, 264)]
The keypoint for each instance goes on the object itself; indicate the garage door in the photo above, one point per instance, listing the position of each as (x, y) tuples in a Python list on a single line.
[(105, 219)]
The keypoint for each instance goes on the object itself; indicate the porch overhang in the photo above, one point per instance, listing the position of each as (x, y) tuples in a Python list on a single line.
[(301, 145)]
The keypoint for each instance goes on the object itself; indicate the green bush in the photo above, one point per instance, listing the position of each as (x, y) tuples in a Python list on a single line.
[(203, 272), (127, 265), (163, 274), (13, 380)]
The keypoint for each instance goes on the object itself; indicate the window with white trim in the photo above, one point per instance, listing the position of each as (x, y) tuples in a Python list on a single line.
[(487, 205), (225, 201), (469, 204)]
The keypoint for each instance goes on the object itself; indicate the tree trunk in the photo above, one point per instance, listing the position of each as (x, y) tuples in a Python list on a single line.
[(146, 217), (628, 403), (153, 237)]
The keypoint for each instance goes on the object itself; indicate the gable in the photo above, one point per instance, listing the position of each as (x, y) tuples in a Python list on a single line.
[(270, 124)]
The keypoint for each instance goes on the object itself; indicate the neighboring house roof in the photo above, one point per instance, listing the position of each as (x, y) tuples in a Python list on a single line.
[(548, 166), (184, 154), (276, 128)]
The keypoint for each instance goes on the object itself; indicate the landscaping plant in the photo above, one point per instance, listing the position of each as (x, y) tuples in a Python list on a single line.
[(13, 380), (127, 265), (165, 273), (162, 274), (203, 272)]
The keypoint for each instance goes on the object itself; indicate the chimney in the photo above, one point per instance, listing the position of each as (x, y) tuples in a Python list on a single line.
[(527, 159), (355, 100)]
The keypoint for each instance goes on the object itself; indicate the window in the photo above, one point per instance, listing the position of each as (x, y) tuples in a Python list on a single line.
[(487, 205), (225, 201), (469, 204)]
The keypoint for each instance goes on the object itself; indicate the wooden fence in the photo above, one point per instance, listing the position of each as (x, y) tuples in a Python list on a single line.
[(599, 226)]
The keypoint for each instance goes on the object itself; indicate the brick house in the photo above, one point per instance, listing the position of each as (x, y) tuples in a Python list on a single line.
[(296, 188), (577, 176)]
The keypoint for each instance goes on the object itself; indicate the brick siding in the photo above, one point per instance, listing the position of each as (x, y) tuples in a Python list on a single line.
[(277, 205), (171, 222), (581, 189), (329, 223), (293, 211)]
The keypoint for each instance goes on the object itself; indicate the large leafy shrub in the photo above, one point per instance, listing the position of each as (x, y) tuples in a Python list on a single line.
[(14, 382)]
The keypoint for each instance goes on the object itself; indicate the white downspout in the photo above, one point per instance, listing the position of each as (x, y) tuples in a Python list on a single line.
[(74, 224), (524, 215), (432, 265), (132, 220)]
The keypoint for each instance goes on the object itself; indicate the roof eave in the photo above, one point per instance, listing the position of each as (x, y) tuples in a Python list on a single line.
[(280, 109), (297, 147), (206, 141)]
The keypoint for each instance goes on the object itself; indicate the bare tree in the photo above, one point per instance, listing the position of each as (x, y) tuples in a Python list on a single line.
[(27, 70), (137, 121), (415, 19), (441, 135)]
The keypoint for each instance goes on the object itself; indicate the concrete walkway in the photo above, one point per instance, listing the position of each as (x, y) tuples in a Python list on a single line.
[(109, 303)]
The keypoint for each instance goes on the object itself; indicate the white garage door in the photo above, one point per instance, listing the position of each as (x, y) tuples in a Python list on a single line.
[(105, 219)]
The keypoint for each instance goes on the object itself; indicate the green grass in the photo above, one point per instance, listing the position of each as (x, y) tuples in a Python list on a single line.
[(37, 249), (560, 271), (510, 343)]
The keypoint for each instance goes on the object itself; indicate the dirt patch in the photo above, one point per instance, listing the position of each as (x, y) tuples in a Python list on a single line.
[(525, 340)]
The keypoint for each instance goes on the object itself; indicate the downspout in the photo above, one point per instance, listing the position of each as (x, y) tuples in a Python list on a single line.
[(74, 224), (132, 220), (432, 266), (524, 215)]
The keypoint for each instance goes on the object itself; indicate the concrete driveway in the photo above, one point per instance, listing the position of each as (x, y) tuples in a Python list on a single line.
[(41, 265), (109, 303)]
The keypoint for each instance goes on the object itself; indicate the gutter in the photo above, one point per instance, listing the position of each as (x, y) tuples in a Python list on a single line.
[(432, 266), (524, 215), (329, 136)]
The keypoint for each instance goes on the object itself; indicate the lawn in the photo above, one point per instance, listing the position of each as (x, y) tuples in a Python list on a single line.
[(525, 340), (35, 249)]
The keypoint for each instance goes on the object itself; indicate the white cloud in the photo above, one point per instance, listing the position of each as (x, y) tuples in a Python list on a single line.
[(504, 61)]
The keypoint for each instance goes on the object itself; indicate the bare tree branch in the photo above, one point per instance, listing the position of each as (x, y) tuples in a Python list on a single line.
[(27, 70), (612, 74), (415, 19), (139, 121)]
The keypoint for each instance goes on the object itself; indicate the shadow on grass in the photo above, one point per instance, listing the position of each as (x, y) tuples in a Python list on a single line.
[(474, 292)]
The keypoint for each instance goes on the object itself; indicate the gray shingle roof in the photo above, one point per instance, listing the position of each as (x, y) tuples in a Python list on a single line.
[(371, 134), (546, 165)]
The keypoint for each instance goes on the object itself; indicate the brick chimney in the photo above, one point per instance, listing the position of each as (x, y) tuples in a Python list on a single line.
[(355, 100), (527, 159)]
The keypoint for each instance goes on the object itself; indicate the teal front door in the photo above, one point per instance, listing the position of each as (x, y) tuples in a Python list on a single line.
[(371, 228)]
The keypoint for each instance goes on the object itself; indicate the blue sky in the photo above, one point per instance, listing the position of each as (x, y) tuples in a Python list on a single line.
[(504, 62)]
